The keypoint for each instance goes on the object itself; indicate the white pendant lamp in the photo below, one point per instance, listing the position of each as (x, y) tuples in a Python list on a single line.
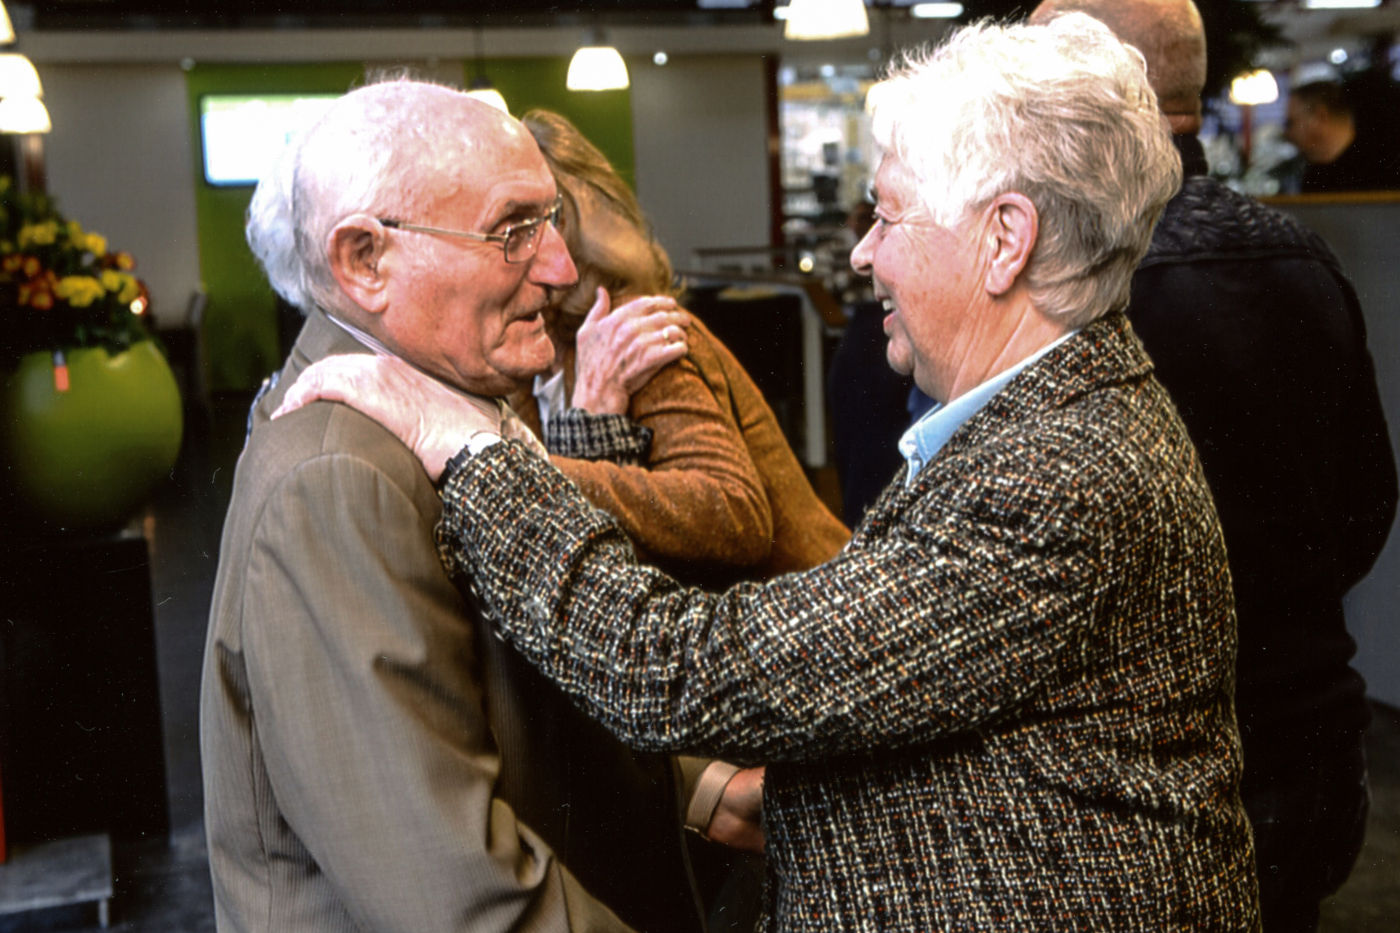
[(18, 77), (24, 115), (481, 87), (826, 19), (7, 28), (597, 68), (1255, 88), (483, 90)]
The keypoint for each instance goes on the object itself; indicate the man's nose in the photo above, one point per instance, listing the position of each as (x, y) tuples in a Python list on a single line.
[(553, 266)]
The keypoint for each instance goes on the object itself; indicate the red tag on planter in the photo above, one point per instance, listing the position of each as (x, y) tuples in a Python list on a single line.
[(60, 371)]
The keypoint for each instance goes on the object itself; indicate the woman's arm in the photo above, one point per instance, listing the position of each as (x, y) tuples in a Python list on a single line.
[(699, 496)]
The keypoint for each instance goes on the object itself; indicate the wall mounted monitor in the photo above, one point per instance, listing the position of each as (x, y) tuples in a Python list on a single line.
[(241, 135)]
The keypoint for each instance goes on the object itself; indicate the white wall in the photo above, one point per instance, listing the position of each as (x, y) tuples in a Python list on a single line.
[(700, 137), (119, 159), (119, 163)]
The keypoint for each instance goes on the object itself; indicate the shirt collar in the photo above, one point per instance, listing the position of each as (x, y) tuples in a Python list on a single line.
[(926, 437)]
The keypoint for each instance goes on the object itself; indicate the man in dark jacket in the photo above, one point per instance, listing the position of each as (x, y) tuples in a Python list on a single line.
[(1259, 339)]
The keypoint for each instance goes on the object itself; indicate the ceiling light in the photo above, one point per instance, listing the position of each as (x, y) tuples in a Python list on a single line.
[(18, 77), (483, 90), (7, 28), (597, 68), (1256, 87), (936, 10), (1340, 4), (826, 19), (481, 87), (24, 115)]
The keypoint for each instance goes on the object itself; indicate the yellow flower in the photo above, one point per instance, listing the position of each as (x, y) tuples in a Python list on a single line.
[(95, 243), (40, 234), (122, 285), (79, 290)]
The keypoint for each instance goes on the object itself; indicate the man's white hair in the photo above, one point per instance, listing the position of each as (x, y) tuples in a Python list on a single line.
[(1061, 113), (383, 149)]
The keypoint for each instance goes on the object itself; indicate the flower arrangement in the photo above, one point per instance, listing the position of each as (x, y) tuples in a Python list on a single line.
[(60, 286)]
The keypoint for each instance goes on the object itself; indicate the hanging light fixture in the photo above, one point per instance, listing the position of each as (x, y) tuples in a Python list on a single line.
[(18, 78), (7, 28), (826, 19), (1256, 87), (597, 67), (24, 115), (481, 87)]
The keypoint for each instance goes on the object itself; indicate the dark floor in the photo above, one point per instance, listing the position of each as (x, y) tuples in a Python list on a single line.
[(166, 889)]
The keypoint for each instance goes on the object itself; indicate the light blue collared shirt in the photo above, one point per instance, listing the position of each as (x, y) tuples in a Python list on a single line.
[(926, 437)]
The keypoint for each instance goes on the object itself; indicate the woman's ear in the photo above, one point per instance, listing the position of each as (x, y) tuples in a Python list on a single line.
[(354, 248), (1013, 226)]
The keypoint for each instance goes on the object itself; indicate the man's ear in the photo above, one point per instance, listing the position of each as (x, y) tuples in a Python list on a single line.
[(1012, 228), (354, 248)]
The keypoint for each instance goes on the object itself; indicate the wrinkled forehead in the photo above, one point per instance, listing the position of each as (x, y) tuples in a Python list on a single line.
[(488, 169), (894, 185)]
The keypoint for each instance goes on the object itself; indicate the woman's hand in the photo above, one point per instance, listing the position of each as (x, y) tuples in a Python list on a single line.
[(432, 419), (617, 353), (738, 820)]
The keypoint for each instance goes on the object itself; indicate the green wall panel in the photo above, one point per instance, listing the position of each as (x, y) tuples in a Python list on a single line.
[(241, 318)]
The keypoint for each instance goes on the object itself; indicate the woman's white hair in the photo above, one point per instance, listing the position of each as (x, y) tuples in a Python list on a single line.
[(380, 150), (1061, 113)]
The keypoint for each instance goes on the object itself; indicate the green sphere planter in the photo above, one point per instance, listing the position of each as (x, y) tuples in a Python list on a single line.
[(85, 458)]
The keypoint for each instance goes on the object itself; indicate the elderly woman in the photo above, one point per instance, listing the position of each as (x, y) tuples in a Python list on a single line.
[(1007, 704), (720, 496)]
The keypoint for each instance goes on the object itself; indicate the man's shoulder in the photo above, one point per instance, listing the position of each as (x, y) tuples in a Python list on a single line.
[(1209, 220), (329, 438)]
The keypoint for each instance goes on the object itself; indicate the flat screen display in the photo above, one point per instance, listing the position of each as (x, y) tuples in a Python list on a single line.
[(241, 135)]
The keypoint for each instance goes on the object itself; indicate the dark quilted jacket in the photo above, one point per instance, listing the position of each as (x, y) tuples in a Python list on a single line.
[(1259, 339)]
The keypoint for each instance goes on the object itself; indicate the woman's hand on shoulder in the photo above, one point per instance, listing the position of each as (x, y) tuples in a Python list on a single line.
[(618, 351), (432, 419)]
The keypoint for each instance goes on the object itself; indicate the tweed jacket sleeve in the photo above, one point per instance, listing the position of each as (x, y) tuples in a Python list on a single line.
[(583, 435), (973, 597)]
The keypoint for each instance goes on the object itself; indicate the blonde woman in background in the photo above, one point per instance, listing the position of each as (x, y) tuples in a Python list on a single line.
[(720, 496)]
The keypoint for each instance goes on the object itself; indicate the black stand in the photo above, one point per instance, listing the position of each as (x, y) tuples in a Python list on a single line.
[(80, 728)]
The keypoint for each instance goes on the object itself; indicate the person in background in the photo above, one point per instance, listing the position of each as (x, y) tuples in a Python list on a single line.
[(1346, 147), (1007, 704), (720, 496), (692, 464), (1259, 339), (374, 758)]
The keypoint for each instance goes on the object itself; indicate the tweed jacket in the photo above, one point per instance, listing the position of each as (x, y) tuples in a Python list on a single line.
[(373, 758), (721, 497), (1005, 705)]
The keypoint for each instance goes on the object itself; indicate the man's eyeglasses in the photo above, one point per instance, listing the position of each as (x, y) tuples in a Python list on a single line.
[(519, 241)]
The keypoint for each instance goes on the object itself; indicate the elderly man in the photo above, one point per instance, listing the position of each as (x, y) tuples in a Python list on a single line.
[(1007, 704), (1260, 341), (374, 759)]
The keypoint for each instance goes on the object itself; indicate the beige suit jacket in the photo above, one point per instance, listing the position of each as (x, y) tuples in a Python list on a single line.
[(371, 755)]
